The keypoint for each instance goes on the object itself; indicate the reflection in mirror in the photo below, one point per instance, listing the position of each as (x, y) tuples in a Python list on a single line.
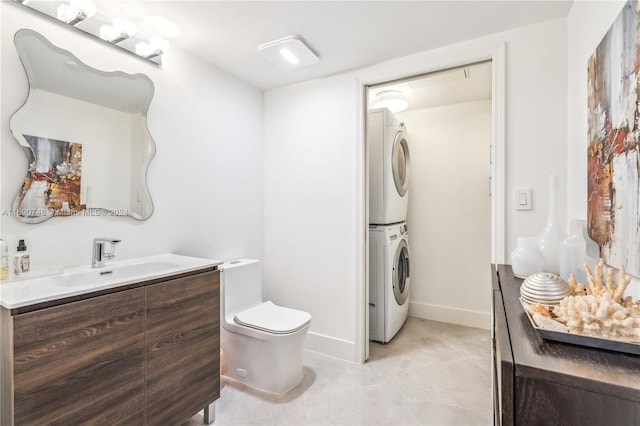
[(85, 135)]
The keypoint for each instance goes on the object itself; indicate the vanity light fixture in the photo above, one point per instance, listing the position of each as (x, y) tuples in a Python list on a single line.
[(76, 11), (393, 100), (289, 52), (121, 30), (157, 46), (122, 33)]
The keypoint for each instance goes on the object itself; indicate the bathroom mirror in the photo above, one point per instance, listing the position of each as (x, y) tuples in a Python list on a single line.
[(85, 135)]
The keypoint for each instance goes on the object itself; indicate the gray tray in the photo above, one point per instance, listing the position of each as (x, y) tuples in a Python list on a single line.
[(582, 340)]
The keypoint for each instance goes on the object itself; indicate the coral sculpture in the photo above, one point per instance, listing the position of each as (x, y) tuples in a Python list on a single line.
[(595, 309)]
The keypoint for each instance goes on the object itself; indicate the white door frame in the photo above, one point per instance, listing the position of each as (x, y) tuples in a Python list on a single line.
[(404, 68)]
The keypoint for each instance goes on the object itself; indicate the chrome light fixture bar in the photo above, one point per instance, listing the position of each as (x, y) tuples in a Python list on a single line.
[(73, 12), (76, 11), (157, 46), (121, 30)]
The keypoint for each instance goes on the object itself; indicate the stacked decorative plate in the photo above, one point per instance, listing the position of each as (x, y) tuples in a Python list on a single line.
[(544, 288)]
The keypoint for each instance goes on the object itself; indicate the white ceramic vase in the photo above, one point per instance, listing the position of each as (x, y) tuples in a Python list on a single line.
[(526, 259), (553, 234), (574, 253)]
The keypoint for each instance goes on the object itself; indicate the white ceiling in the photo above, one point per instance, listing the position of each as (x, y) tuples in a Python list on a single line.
[(347, 34)]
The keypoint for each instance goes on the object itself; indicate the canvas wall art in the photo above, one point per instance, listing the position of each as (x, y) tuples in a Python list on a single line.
[(613, 214), (53, 182)]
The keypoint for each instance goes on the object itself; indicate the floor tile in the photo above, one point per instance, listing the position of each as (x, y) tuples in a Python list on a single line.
[(431, 373), (433, 413)]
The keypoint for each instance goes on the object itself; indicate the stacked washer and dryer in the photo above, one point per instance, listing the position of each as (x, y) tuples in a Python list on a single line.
[(389, 266)]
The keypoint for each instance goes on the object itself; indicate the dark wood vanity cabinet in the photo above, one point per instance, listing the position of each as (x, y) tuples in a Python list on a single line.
[(540, 382), (144, 354), (81, 362), (182, 347)]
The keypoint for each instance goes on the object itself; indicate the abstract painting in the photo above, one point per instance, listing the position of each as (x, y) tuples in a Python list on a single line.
[(613, 185), (52, 185)]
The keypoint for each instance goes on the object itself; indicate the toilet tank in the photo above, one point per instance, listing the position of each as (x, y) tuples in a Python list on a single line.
[(241, 285)]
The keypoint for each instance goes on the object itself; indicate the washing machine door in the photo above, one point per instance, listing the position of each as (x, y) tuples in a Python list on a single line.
[(400, 163), (401, 276)]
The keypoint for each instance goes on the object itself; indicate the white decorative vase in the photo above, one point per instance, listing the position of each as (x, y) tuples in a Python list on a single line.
[(553, 234), (526, 259), (573, 252)]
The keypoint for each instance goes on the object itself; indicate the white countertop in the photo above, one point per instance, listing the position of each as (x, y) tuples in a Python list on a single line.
[(26, 291)]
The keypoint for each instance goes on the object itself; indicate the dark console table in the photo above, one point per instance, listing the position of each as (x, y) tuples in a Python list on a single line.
[(540, 382)]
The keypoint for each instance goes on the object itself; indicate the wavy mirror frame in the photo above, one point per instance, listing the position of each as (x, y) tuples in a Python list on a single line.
[(85, 134)]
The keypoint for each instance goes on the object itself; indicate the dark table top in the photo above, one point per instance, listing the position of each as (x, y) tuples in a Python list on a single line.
[(596, 370)]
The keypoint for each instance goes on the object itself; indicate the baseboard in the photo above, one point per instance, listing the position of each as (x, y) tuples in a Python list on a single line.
[(451, 315), (345, 349), (331, 346)]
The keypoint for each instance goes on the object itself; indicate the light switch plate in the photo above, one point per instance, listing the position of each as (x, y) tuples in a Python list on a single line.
[(523, 199)]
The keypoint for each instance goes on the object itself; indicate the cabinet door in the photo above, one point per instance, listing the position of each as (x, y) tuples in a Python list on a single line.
[(81, 363), (183, 347)]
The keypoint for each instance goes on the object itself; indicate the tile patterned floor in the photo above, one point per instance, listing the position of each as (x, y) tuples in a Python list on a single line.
[(431, 373)]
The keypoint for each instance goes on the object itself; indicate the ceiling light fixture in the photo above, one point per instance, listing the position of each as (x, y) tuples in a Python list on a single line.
[(286, 53), (121, 30), (290, 52), (76, 11), (157, 46), (393, 100), (22, 1)]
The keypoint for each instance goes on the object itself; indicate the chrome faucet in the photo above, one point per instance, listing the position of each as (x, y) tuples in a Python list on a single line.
[(100, 252)]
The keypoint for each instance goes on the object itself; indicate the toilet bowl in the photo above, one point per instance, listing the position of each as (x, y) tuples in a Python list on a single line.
[(262, 342)]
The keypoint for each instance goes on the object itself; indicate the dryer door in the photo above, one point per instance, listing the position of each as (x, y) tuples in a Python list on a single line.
[(401, 275), (400, 163)]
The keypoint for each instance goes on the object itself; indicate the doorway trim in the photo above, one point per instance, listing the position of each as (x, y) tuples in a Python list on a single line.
[(407, 67)]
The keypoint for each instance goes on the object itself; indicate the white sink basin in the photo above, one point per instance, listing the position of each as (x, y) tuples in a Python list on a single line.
[(110, 273), (27, 291)]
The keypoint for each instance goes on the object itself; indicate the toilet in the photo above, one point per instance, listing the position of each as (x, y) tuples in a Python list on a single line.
[(262, 342)]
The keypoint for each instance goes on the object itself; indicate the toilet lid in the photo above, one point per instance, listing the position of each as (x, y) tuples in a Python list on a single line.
[(273, 318)]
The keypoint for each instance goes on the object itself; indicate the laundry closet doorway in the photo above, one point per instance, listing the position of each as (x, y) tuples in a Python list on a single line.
[(453, 213)]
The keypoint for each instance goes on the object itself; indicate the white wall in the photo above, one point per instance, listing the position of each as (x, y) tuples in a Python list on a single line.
[(535, 121), (588, 22), (205, 181), (310, 206), (315, 126), (449, 216)]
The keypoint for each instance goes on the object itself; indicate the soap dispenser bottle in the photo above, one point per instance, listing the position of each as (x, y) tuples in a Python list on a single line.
[(4, 260), (21, 260)]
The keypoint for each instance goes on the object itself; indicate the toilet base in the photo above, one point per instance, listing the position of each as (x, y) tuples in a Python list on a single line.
[(271, 363), (253, 386)]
